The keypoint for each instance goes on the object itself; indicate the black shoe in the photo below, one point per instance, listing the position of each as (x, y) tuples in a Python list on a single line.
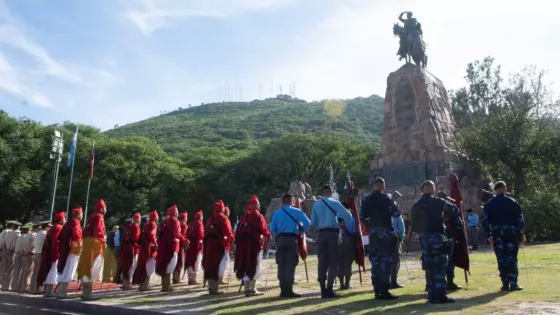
[(323, 291), (395, 285), (443, 300), (386, 296), (453, 286), (515, 288), (292, 294), (331, 295)]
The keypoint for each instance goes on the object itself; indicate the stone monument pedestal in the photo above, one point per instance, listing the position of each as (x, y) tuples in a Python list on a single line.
[(417, 140)]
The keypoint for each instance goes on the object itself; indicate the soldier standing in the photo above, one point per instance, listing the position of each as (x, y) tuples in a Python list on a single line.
[(503, 222), (428, 218), (9, 246), (326, 217), (25, 241), (377, 211), (38, 243)]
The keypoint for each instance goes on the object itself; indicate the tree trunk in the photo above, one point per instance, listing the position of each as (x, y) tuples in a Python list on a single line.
[(520, 182)]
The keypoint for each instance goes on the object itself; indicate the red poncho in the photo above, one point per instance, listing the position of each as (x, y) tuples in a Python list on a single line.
[(217, 239), (49, 254), (147, 250), (249, 241), (359, 253), (168, 243), (195, 235), (94, 241), (71, 232), (182, 245), (129, 248)]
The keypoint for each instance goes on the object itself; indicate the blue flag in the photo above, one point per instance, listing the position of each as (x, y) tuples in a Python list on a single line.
[(73, 148)]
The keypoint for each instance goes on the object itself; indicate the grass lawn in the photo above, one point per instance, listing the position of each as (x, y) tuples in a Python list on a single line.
[(541, 280)]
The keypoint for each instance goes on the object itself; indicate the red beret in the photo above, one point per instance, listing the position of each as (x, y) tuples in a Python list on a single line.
[(254, 200), (154, 215), (171, 210), (137, 216), (77, 210), (100, 205), (59, 216)]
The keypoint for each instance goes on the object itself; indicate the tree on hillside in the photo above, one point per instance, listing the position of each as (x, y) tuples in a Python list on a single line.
[(506, 124)]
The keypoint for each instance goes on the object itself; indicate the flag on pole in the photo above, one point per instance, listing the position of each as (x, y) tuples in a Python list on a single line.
[(72, 148), (92, 162)]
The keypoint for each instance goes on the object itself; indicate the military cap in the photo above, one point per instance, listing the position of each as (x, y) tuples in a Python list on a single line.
[(13, 222)]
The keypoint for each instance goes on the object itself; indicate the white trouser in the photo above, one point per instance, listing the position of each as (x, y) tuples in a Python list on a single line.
[(133, 267), (150, 267), (96, 270), (69, 271), (53, 273), (172, 264), (197, 264), (258, 270), (224, 263)]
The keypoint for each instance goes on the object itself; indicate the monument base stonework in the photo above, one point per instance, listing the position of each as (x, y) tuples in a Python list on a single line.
[(417, 139)]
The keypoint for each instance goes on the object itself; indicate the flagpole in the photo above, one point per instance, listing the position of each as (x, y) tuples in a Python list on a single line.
[(89, 183), (72, 174)]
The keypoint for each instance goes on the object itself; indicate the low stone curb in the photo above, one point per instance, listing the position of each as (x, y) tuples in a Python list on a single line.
[(71, 305)]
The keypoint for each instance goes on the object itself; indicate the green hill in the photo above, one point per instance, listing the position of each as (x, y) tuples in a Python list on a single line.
[(241, 126)]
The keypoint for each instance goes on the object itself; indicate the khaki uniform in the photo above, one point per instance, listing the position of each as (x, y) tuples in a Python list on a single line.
[(17, 263), (38, 243), (26, 253), (9, 246), (3, 253)]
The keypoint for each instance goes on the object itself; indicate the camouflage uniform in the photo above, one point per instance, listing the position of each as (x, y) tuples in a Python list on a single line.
[(503, 220), (428, 216), (377, 209)]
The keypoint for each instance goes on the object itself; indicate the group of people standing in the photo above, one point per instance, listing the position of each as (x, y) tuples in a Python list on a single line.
[(56, 252)]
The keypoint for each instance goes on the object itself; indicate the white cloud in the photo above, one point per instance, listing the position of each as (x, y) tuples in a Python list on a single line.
[(353, 50), (153, 15), (24, 81)]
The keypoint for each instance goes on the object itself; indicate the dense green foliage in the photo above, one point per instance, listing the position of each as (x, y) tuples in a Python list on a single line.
[(190, 157), (511, 131), (243, 126)]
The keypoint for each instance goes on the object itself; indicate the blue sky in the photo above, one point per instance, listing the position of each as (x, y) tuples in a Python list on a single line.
[(108, 62)]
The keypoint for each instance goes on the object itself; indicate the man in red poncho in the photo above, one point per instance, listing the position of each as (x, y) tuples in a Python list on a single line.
[(92, 259), (49, 256), (193, 259), (147, 253), (217, 243), (182, 248), (69, 250), (170, 238), (128, 258), (249, 242)]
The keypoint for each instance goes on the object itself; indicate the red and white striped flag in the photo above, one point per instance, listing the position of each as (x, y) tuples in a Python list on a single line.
[(92, 162)]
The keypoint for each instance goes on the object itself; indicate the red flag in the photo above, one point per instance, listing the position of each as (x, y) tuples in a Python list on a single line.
[(351, 200), (92, 161), (460, 250)]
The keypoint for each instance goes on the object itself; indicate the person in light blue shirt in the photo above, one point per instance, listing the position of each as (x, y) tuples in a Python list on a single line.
[(287, 223), (400, 230), (472, 231), (327, 215), (348, 251)]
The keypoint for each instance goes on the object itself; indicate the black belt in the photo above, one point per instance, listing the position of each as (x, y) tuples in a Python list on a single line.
[(329, 230), (288, 234)]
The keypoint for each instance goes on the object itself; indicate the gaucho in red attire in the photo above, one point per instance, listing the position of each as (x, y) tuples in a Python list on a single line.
[(91, 259), (170, 238), (182, 248), (70, 247), (128, 258), (49, 256), (147, 253), (249, 244), (217, 244), (193, 258)]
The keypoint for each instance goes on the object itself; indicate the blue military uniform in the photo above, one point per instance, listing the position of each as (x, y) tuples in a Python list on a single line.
[(502, 220), (428, 215), (377, 210)]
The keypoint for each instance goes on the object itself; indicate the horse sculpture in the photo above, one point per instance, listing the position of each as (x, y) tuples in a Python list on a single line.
[(411, 47)]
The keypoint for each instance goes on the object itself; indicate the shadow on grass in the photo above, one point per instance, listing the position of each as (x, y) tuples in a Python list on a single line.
[(411, 308)]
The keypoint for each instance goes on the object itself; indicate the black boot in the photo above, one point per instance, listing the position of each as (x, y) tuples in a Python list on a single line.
[(342, 286), (395, 284), (323, 290), (384, 293), (451, 285), (515, 287), (282, 292), (331, 294), (505, 287), (291, 294), (444, 299)]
